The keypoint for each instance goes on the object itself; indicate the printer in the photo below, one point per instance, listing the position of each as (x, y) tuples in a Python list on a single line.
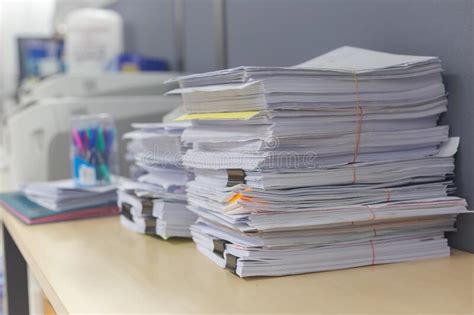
[(36, 131)]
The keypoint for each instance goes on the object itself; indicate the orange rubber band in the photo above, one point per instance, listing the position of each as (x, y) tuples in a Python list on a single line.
[(389, 195), (354, 174), (372, 213), (373, 252)]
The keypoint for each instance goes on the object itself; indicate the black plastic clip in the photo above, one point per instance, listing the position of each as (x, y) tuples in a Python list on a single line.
[(231, 262), (219, 247), (125, 210), (235, 177)]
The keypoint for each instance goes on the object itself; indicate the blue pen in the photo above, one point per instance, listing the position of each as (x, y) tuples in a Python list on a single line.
[(85, 141), (93, 138), (109, 140)]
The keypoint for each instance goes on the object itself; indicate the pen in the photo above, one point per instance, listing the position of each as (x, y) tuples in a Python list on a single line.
[(92, 144), (77, 140), (104, 170), (100, 140), (109, 140), (92, 140)]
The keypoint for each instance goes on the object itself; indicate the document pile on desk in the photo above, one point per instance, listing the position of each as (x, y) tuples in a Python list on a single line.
[(60, 200), (334, 163), (64, 195), (155, 203)]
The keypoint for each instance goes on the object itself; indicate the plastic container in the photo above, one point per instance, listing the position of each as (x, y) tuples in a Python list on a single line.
[(94, 37), (94, 150)]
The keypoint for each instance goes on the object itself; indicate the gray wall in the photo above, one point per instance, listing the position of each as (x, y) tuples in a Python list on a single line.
[(200, 53), (149, 28), (285, 32)]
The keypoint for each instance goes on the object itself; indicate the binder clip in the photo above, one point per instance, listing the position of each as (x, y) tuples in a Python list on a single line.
[(231, 262), (150, 222), (219, 247), (125, 210), (147, 206), (235, 177), (150, 230)]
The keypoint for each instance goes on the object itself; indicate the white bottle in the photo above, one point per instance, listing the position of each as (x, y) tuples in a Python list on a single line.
[(93, 38)]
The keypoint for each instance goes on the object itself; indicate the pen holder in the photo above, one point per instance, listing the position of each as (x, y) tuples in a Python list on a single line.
[(93, 150)]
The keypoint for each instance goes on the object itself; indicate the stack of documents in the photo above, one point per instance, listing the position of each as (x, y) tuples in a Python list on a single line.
[(334, 163), (31, 213), (155, 203), (65, 195), (353, 105)]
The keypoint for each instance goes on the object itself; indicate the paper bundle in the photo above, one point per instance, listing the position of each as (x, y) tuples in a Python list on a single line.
[(65, 195), (155, 203), (334, 163)]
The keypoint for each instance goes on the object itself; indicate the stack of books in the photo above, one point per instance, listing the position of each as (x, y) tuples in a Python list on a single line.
[(155, 203), (334, 163)]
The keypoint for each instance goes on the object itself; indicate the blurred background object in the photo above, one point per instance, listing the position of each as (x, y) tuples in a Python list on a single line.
[(36, 132), (68, 59), (93, 38), (63, 8)]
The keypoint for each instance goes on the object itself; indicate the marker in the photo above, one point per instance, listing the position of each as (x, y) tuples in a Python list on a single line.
[(77, 140), (100, 140), (92, 133), (104, 170), (109, 140)]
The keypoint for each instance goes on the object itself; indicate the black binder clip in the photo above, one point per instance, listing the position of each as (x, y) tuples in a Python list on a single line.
[(147, 206), (219, 247), (150, 230), (235, 177), (231, 262), (150, 222), (125, 210)]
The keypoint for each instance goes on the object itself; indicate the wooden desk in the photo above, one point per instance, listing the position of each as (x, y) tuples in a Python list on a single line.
[(96, 266)]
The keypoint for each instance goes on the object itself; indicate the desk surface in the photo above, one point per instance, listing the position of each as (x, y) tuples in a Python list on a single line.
[(96, 266)]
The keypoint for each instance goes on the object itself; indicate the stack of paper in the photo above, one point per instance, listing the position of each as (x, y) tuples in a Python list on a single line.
[(64, 195), (155, 203), (334, 163), (31, 213)]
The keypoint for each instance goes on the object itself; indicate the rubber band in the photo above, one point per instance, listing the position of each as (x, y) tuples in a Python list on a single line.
[(388, 193), (354, 174), (372, 213), (373, 252), (360, 114)]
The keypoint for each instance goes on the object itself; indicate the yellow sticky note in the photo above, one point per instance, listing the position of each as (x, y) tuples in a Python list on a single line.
[(235, 198), (218, 116)]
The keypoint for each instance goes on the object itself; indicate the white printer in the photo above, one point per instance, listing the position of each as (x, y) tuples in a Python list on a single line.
[(36, 132)]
